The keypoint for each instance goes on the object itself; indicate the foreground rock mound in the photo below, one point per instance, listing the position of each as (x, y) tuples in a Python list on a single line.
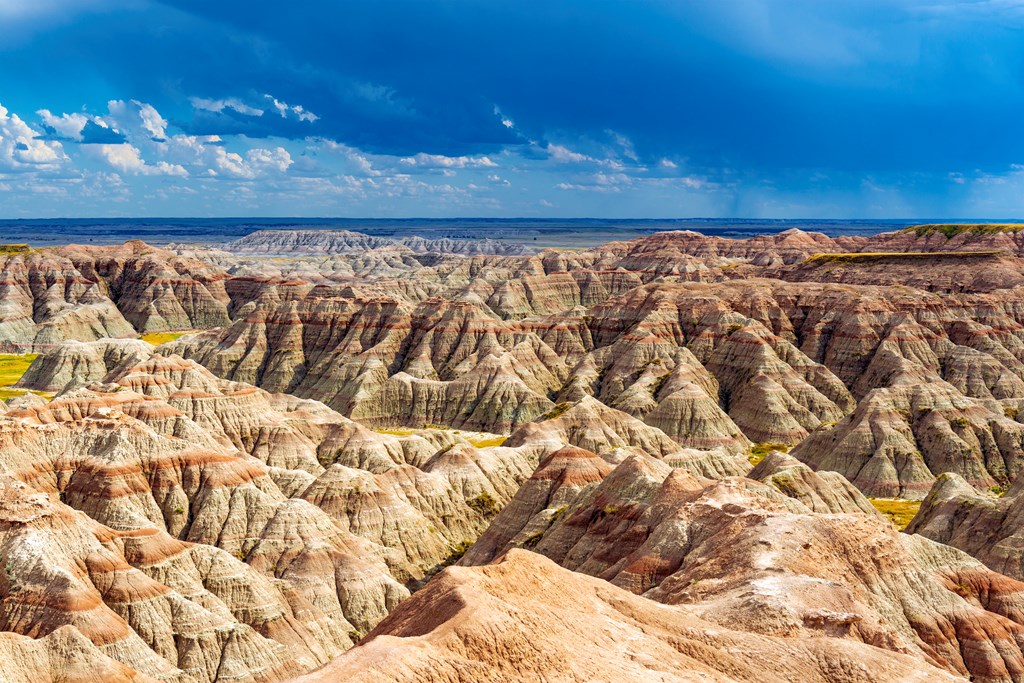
[(526, 619), (751, 556)]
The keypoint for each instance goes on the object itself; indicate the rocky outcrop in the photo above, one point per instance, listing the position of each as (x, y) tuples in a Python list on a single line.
[(63, 656), (751, 556), (988, 527), (526, 619), (593, 426), (901, 437), (73, 364), (824, 491), (88, 293), (304, 524)]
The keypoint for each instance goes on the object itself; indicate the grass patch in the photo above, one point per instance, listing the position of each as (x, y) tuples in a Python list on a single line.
[(874, 256), (484, 504), (158, 338), (758, 451), (555, 412), (951, 230), (489, 443), (397, 431), (12, 368), (899, 512), (11, 249)]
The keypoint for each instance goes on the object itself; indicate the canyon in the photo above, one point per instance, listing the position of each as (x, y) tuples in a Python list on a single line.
[(324, 456)]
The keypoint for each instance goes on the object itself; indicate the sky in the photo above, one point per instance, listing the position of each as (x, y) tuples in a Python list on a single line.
[(512, 108)]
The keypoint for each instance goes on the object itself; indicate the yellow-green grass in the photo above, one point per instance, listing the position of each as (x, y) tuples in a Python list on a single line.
[(12, 367), (158, 338), (397, 431), (758, 451), (477, 439), (11, 249), (953, 229), (488, 443), (899, 512), (869, 256)]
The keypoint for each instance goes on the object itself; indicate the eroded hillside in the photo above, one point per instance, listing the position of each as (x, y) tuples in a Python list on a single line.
[(327, 421)]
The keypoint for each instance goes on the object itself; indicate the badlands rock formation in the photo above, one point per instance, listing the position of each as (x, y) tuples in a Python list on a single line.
[(525, 619), (88, 293), (749, 557), (981, 523), (290, 242), (281, 488)]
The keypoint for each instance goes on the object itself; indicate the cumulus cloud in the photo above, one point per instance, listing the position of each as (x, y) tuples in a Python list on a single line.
[(21, 147), (68, 126), (128, 159), (255, 163), (154, 124), (440, 161)]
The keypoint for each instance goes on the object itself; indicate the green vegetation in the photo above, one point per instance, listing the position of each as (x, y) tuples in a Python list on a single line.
[(158, 338), (458, 550), (555, 412), (11, 249), (758, 451), (899, 512), (733, 328), (871, 256), (1010, 412), (998, 490), (484, 504), (531, 541), (951, 230)]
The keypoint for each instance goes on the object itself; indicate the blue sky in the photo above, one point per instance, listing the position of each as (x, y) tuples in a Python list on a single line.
[(615, 108)]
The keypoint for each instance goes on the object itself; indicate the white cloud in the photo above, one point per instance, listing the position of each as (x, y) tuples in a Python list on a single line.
[(228, 103), (359, 162), (154, 124), (256, 162), (564, 155), (669, 164), (285, 110), (128, 159), (441, 161), (66, 125), (21, 148)]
